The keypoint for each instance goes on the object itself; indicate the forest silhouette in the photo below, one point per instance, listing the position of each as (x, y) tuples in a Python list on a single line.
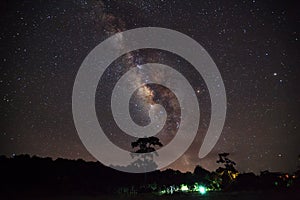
[(26, 175)]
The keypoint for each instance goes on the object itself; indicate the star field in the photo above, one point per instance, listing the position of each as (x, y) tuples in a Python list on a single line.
[(255, 45)]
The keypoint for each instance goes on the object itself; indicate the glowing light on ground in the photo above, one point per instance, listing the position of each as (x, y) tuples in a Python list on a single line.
[(202, 189), (184, 188)]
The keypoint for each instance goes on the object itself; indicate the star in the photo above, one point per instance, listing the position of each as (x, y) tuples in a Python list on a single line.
[(256, 54)]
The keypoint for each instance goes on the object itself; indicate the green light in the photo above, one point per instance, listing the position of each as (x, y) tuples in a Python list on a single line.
[(162, 192), (184, 188), (202, 189)]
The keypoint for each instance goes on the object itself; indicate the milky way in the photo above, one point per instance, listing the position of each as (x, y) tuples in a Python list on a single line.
[(255, 45)]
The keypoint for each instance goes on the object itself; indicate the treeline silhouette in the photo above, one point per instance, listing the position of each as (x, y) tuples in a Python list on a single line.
[(23, 174)]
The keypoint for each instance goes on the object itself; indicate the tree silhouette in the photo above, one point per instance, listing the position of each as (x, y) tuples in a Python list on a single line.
[(229, 164), (228, 173), (146, 145), (30, 177), (202, 174)]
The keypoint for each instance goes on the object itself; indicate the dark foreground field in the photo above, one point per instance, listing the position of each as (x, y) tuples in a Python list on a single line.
[(209, 196)]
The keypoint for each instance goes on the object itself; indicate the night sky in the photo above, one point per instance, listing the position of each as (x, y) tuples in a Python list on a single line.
[(255, 45)]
